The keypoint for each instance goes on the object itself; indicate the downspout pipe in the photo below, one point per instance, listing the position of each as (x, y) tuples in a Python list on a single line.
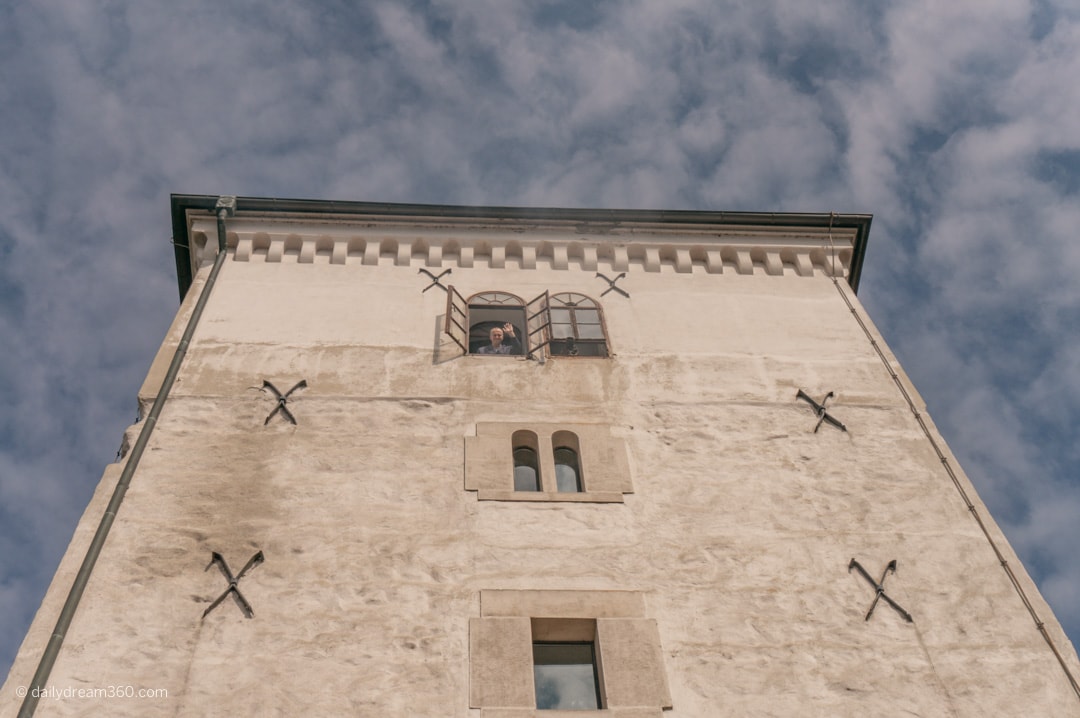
[(226, 207)]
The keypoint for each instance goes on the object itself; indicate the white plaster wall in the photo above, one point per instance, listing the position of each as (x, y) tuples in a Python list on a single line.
[(739, 530)]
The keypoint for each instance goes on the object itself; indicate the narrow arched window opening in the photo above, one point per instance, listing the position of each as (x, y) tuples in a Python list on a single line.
[(567, 455), (567, 471), (526, 475), (526, 461)]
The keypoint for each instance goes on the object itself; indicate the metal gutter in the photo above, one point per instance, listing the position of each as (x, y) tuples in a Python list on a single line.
[(182, 203), (224, 206), (1040, 625)]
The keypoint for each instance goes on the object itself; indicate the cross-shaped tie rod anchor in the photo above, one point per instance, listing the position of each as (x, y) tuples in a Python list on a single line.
[(611, 285), (434, 280), (879, 586), (819, 410), (282, 400), (216, 558)]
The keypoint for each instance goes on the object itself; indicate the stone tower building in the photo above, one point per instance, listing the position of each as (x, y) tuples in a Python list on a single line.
[(401, 460)]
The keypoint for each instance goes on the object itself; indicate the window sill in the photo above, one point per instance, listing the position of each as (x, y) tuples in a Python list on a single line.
[(596, 497), (602, 713)]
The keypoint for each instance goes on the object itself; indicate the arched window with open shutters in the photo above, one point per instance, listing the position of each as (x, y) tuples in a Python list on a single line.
[(563, 324), (577, 326)]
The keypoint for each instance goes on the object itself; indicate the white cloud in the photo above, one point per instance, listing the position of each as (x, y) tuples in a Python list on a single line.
[(952, 123)]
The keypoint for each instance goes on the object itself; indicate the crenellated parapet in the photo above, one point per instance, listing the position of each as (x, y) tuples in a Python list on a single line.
[(720, 246)]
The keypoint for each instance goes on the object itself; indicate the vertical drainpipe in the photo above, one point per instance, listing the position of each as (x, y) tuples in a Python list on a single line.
[(226, 207)]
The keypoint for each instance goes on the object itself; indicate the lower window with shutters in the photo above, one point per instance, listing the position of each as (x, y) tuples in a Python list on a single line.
[(533, 654)]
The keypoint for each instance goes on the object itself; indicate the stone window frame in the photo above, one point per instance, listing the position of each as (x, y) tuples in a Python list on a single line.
[(603, 464), (629, 655)]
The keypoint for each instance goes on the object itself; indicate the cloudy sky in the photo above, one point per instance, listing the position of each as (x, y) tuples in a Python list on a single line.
[(956, 124)]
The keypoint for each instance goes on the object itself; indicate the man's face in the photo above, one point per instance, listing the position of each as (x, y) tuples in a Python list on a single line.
[(496, 336)]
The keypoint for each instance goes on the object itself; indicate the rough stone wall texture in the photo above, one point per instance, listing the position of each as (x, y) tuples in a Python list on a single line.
[(738, 534)]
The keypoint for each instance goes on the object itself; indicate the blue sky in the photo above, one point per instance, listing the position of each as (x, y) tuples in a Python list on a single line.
[(957, 125)]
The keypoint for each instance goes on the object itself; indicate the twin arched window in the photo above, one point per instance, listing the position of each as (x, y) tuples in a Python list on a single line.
[(565, 455)]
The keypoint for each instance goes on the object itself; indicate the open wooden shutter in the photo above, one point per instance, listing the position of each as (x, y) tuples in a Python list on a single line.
[(457, 319), (633, 663), (538, 323), (500, 663)]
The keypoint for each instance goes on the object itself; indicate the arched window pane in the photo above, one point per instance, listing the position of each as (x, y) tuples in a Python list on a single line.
[(571, 299), (567, 471), (590, 331), (587, 316), (525, 470), (561, 331), (495, 299)]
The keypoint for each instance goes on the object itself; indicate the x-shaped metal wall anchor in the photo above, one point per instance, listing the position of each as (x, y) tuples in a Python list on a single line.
[(282, 400), (434, 280), (611, 285), (819, 410), (240, 600), (879, 586)]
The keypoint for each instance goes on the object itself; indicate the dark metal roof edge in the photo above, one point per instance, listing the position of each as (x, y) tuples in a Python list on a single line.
[(181, 203)]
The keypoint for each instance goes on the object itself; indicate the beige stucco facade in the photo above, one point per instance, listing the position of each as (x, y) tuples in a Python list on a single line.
[(709, 559)]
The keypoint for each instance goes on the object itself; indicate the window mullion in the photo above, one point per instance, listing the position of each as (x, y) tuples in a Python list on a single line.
[(573, 323)]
